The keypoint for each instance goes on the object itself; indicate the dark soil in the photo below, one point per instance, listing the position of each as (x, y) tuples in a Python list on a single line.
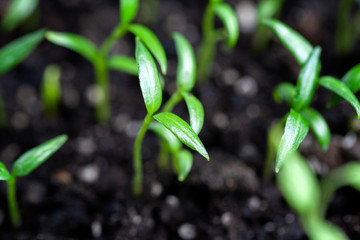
[(84, 190)]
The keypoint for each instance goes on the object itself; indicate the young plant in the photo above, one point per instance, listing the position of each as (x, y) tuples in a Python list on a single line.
[(18, 11), (211, 35), (302, 117), (169, 126), (347, 27), (265, 9), (101, 59), (23, 166), (51, 90)]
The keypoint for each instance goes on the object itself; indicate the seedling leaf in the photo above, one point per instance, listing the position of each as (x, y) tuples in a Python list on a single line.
[(216, 1), (123, 64), (229, 19), (299, 185), (297, 45), (73, 42), (285, 92), (318, 127), (342, 90), (152, 43), (128, 10), (16, 51), (296, 129), (267, 9), (183, 164), (149, 78), (183, 131), (307, 81), (173, 143), (186, 72), (18, 12), (196, 111), (319, 229), (4, 173), (34, 157), (349, 175), (350, 79)]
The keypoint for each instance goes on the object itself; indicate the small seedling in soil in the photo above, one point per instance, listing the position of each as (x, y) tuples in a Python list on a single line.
[(51, 90), (18, 12), (347, 26), (265, 9), (170, 127), (23, 166), (296, 179), (101, 59), (211, 35), (301, 116)]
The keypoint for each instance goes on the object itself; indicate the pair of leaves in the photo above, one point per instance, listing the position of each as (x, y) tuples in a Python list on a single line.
[(17, 12), (16, 51), (33, 158)]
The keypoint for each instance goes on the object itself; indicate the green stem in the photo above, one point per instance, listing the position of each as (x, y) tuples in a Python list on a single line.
[(163, 158), (137, 161), (206, 52), (102, 110), (12, 202), (117, 33), (343, 27), (173, 100)]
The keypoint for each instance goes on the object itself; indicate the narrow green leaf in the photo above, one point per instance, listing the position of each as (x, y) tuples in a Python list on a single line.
[(318, 229), (4, 173), (74, 42), (229, 19), (18, 12), (318, 127), (216, 1), (297, 45), (296, 129), (342, 90), (128, 10), (149, 78), (268, 8), (299, 185), (183, 131), (196, 111), (186, 71), (34, 157), (172, 142), (347, 175), (350, 79), (123, 64), (16, 51), (285, 92), (307, 81), (183, 163), (152, 42)]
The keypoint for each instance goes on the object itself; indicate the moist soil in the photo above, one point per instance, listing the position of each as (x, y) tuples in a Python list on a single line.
[(84, 190)]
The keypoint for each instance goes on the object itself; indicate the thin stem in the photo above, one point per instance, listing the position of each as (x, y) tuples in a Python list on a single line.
[(173, 100), (12, 203), (163, 158), (117, 33), (206, 52), (137, 161), (102, 110)]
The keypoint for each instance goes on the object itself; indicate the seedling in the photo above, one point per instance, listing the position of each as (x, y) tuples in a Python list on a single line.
[(169, 125), (23, 166), (302, 117), (347, 27), (211, 35), (265, 9), (18, 12), (101, 59), (51, 90)]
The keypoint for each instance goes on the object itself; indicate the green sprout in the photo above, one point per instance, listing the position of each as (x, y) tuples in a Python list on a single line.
[(102, 61), (171, 129), (51, 90), (211, 35), (301, 117), (17, 13), (265, 9), (347, 27), (23, 166)]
